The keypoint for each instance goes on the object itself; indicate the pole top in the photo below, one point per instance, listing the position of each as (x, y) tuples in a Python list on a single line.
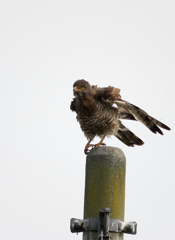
[(108, 153)]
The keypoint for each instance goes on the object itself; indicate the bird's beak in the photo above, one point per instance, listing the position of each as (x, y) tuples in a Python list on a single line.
[(75, 89)]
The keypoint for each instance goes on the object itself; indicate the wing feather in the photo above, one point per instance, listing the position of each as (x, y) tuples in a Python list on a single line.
[(142, 116), (106, 94)]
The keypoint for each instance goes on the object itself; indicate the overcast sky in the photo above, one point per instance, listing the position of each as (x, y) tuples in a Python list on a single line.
[(44, 47)]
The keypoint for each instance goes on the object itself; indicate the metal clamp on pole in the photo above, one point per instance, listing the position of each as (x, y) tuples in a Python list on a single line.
[(104, 225)]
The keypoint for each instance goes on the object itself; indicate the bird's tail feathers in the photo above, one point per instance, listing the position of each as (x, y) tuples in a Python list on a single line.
[(128, 137)]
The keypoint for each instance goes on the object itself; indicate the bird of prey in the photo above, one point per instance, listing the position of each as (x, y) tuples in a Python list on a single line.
[(99, 111)]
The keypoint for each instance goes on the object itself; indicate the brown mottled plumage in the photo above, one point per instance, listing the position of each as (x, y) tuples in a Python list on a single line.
[(98, 117)]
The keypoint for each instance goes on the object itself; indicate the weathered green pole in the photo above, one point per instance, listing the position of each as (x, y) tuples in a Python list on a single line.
[(105, 187)]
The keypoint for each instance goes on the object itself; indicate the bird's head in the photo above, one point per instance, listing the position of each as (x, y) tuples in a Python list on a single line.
[(81, 86)]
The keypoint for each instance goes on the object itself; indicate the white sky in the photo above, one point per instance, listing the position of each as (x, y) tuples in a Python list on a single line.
[(44, 47)]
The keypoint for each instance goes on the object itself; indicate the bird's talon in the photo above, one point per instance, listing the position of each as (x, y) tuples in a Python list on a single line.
[(99, 144), (86, 150), (104, 144)]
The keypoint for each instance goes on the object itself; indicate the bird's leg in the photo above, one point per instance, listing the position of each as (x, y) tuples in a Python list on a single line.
[(86, 151), (101, 142)]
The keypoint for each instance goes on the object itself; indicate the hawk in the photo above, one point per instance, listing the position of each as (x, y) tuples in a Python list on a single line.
[(99, 111)]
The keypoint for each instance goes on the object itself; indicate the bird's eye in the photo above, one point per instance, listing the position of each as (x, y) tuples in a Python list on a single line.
[(82, 88)]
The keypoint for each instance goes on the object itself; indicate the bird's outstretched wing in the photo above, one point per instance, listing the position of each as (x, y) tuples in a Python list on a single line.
[(140, 115), (126, 110)]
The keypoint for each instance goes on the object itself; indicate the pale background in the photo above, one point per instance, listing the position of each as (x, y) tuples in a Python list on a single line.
[(44, 47)]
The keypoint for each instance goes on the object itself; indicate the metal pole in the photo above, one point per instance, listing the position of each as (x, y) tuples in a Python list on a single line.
[(104, 187)]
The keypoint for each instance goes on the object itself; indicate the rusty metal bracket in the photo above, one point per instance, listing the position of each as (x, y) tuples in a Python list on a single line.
[(103, 224)]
